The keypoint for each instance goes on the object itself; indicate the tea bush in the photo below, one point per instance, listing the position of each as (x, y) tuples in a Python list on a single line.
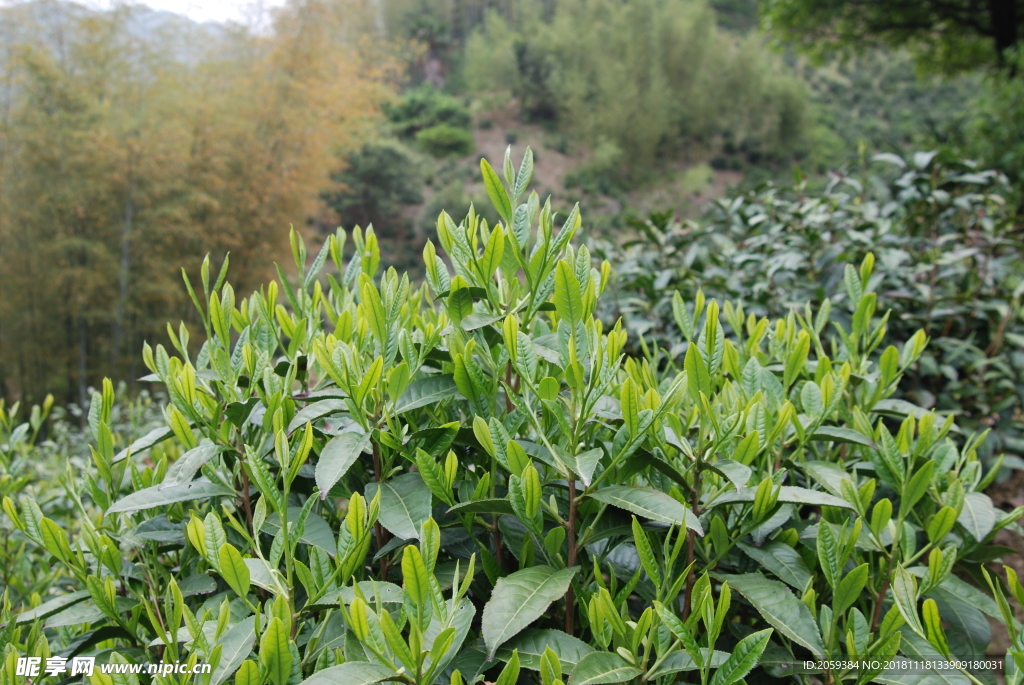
[(465, 480), (950, 260)]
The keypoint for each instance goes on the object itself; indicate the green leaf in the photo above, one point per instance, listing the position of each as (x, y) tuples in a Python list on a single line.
[(519, 599), (904, 593), (524, 175), (531, 644), (496, 191), (337, 457), (496, 505), (602, 667), (351, 673), (568, 301), (698, 380), (153, 437), (274, 653), (840, 434), (52, 607), (426, 391), (236, 644), (649, 503), (849, 589), (233, 570), (159, 496), (779, 607), (782, 560), (978, 515), (493, 252), (316, 531), (404, 504), (187, 465), (743, 658), (682, 661), (787, 494), (316, 410), (915, 488)]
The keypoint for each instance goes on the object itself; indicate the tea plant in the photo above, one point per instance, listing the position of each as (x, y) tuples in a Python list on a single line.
[(467, 480), (949, 258)]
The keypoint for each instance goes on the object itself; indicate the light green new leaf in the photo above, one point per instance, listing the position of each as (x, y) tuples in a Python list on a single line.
[(337, 457), (649, 503), (568, 301), (698, 380), (597, 668), (849, 589), (493, 252), (519, 599), (496, 191), (233, 569), (274, 653)]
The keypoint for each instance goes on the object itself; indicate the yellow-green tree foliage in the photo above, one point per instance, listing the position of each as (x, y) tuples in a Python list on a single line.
[(643, 77), (123, 156)]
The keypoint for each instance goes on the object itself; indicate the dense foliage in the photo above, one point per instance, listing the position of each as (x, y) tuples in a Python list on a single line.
[(949, 261), (357, 479), (642, 79)]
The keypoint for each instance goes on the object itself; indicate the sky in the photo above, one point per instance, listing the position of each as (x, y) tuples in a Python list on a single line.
[(207, 10)]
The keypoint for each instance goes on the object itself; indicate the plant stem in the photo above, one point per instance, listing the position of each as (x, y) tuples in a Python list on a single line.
[(378, 530), (570, 598), (690, 539), (246, 504)]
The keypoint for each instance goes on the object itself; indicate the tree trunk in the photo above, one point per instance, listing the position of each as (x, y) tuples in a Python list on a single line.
[(122, 296), (1003, 22)]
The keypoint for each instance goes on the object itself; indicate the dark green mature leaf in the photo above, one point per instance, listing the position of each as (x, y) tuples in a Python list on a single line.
[(682, 661), (743, 658), (337, 458), (316, 410), (519, 599), (158, 496), (978, 515), (50, 608), (351, 673), (316, 531), (840, 434), (779, 607), (829, 474), (497, 505), (531, 643), (782, 560), (153, 437), (404, 504), (426, 391), (649, 503), (787, 494), (187, 465), (602, 667), (236, 644)]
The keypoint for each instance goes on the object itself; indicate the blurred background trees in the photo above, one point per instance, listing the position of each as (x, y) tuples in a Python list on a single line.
[(134, 141)]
